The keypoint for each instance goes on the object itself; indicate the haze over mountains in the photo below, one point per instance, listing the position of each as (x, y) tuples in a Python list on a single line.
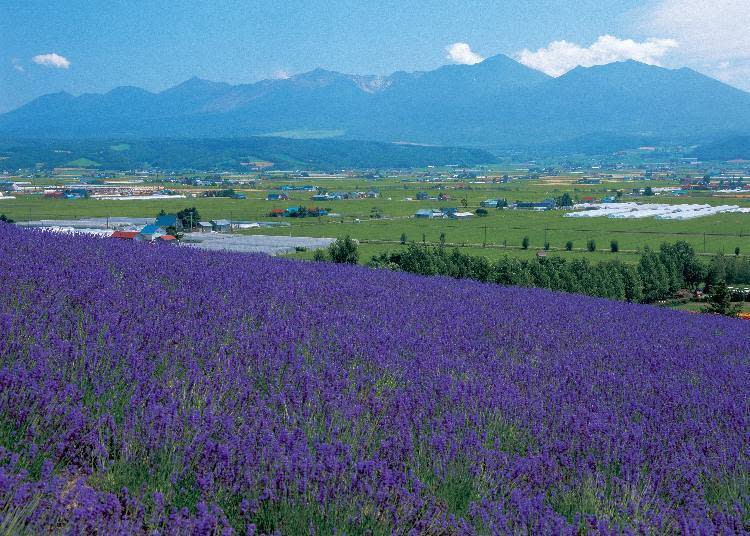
[(496, 103)]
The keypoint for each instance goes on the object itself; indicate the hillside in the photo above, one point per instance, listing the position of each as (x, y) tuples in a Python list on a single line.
[(731, 148), (157, 389), (496, 103), (231, 154)]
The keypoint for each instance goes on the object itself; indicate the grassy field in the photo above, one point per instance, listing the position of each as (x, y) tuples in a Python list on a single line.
[(501, 232), (697, 307)]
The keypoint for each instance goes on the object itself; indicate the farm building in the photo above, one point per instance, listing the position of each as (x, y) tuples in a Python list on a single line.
[(205, 226), (168, 220), (150, 232), (124, 235), (489, 203), (461, 215), (277, 197), (547, 204), (221, 226), (421, 196), (429, 213)]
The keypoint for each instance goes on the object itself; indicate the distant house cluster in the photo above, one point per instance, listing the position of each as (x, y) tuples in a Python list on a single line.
[(323, 196), (434, 213)]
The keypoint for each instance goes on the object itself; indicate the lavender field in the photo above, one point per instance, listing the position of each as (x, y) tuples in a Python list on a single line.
[(157, 389)]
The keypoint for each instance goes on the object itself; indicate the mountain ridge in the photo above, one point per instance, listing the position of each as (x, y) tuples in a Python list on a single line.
[(495, 103)]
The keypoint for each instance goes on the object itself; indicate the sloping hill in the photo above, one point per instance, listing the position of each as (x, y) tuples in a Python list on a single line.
[(233, 154), (156, 388)]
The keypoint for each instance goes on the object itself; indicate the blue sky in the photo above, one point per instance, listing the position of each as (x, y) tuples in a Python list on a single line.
[(92, 46)]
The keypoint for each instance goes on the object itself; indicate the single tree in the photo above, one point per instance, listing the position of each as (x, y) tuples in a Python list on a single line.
[(591, 245), (525, 242), (569, 245), (720, 301), (614, 247), (403, 238), (344, 250)]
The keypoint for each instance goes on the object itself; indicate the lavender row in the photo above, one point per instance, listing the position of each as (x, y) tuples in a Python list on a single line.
[(158, 389)]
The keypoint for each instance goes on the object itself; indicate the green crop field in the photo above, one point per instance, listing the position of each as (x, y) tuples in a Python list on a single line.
[(500, 232)]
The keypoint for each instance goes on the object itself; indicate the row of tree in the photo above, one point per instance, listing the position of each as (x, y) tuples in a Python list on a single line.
[(657, 276)]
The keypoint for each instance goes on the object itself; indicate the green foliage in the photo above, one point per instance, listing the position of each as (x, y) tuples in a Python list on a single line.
[(720, 301), (565, 200), (614, 247), (189, 217), (403, 238), (228, 192), (320, 256), (591, 245), (648, 191), (5, 219), (427, 260), (481, 212), (737, 251), (569, 245), (655, 277), (525, 242), (730, 269), (613, 279), (344, 250)]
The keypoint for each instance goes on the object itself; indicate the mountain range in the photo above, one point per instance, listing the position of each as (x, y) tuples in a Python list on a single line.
[(497, 103)]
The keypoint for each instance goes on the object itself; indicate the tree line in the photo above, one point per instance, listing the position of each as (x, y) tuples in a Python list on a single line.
[(658, 275)]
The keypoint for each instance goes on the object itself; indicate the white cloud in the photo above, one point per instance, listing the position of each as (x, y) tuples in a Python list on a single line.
[(52, 60), (717, 29), (713, 36), (280, 75), (17, 65), (559, 57), (462, 53)]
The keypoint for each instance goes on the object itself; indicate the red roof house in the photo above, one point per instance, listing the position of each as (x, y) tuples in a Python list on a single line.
[(124, 235)]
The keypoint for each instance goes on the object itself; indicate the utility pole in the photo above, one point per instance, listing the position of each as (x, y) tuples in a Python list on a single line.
[(484, 244), (545, 235), (704, 242)]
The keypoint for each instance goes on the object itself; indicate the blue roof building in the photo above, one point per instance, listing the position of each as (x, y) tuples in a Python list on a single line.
[(151, 232), (168, 220)]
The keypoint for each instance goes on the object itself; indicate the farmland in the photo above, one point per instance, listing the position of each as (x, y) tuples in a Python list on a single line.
[(380, 223), (271, 395)]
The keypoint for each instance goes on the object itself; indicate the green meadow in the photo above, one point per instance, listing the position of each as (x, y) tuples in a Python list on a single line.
[(380, 223)]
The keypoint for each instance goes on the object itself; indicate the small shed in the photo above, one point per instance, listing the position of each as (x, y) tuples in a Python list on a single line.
[(221, 226), (205, 226)]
